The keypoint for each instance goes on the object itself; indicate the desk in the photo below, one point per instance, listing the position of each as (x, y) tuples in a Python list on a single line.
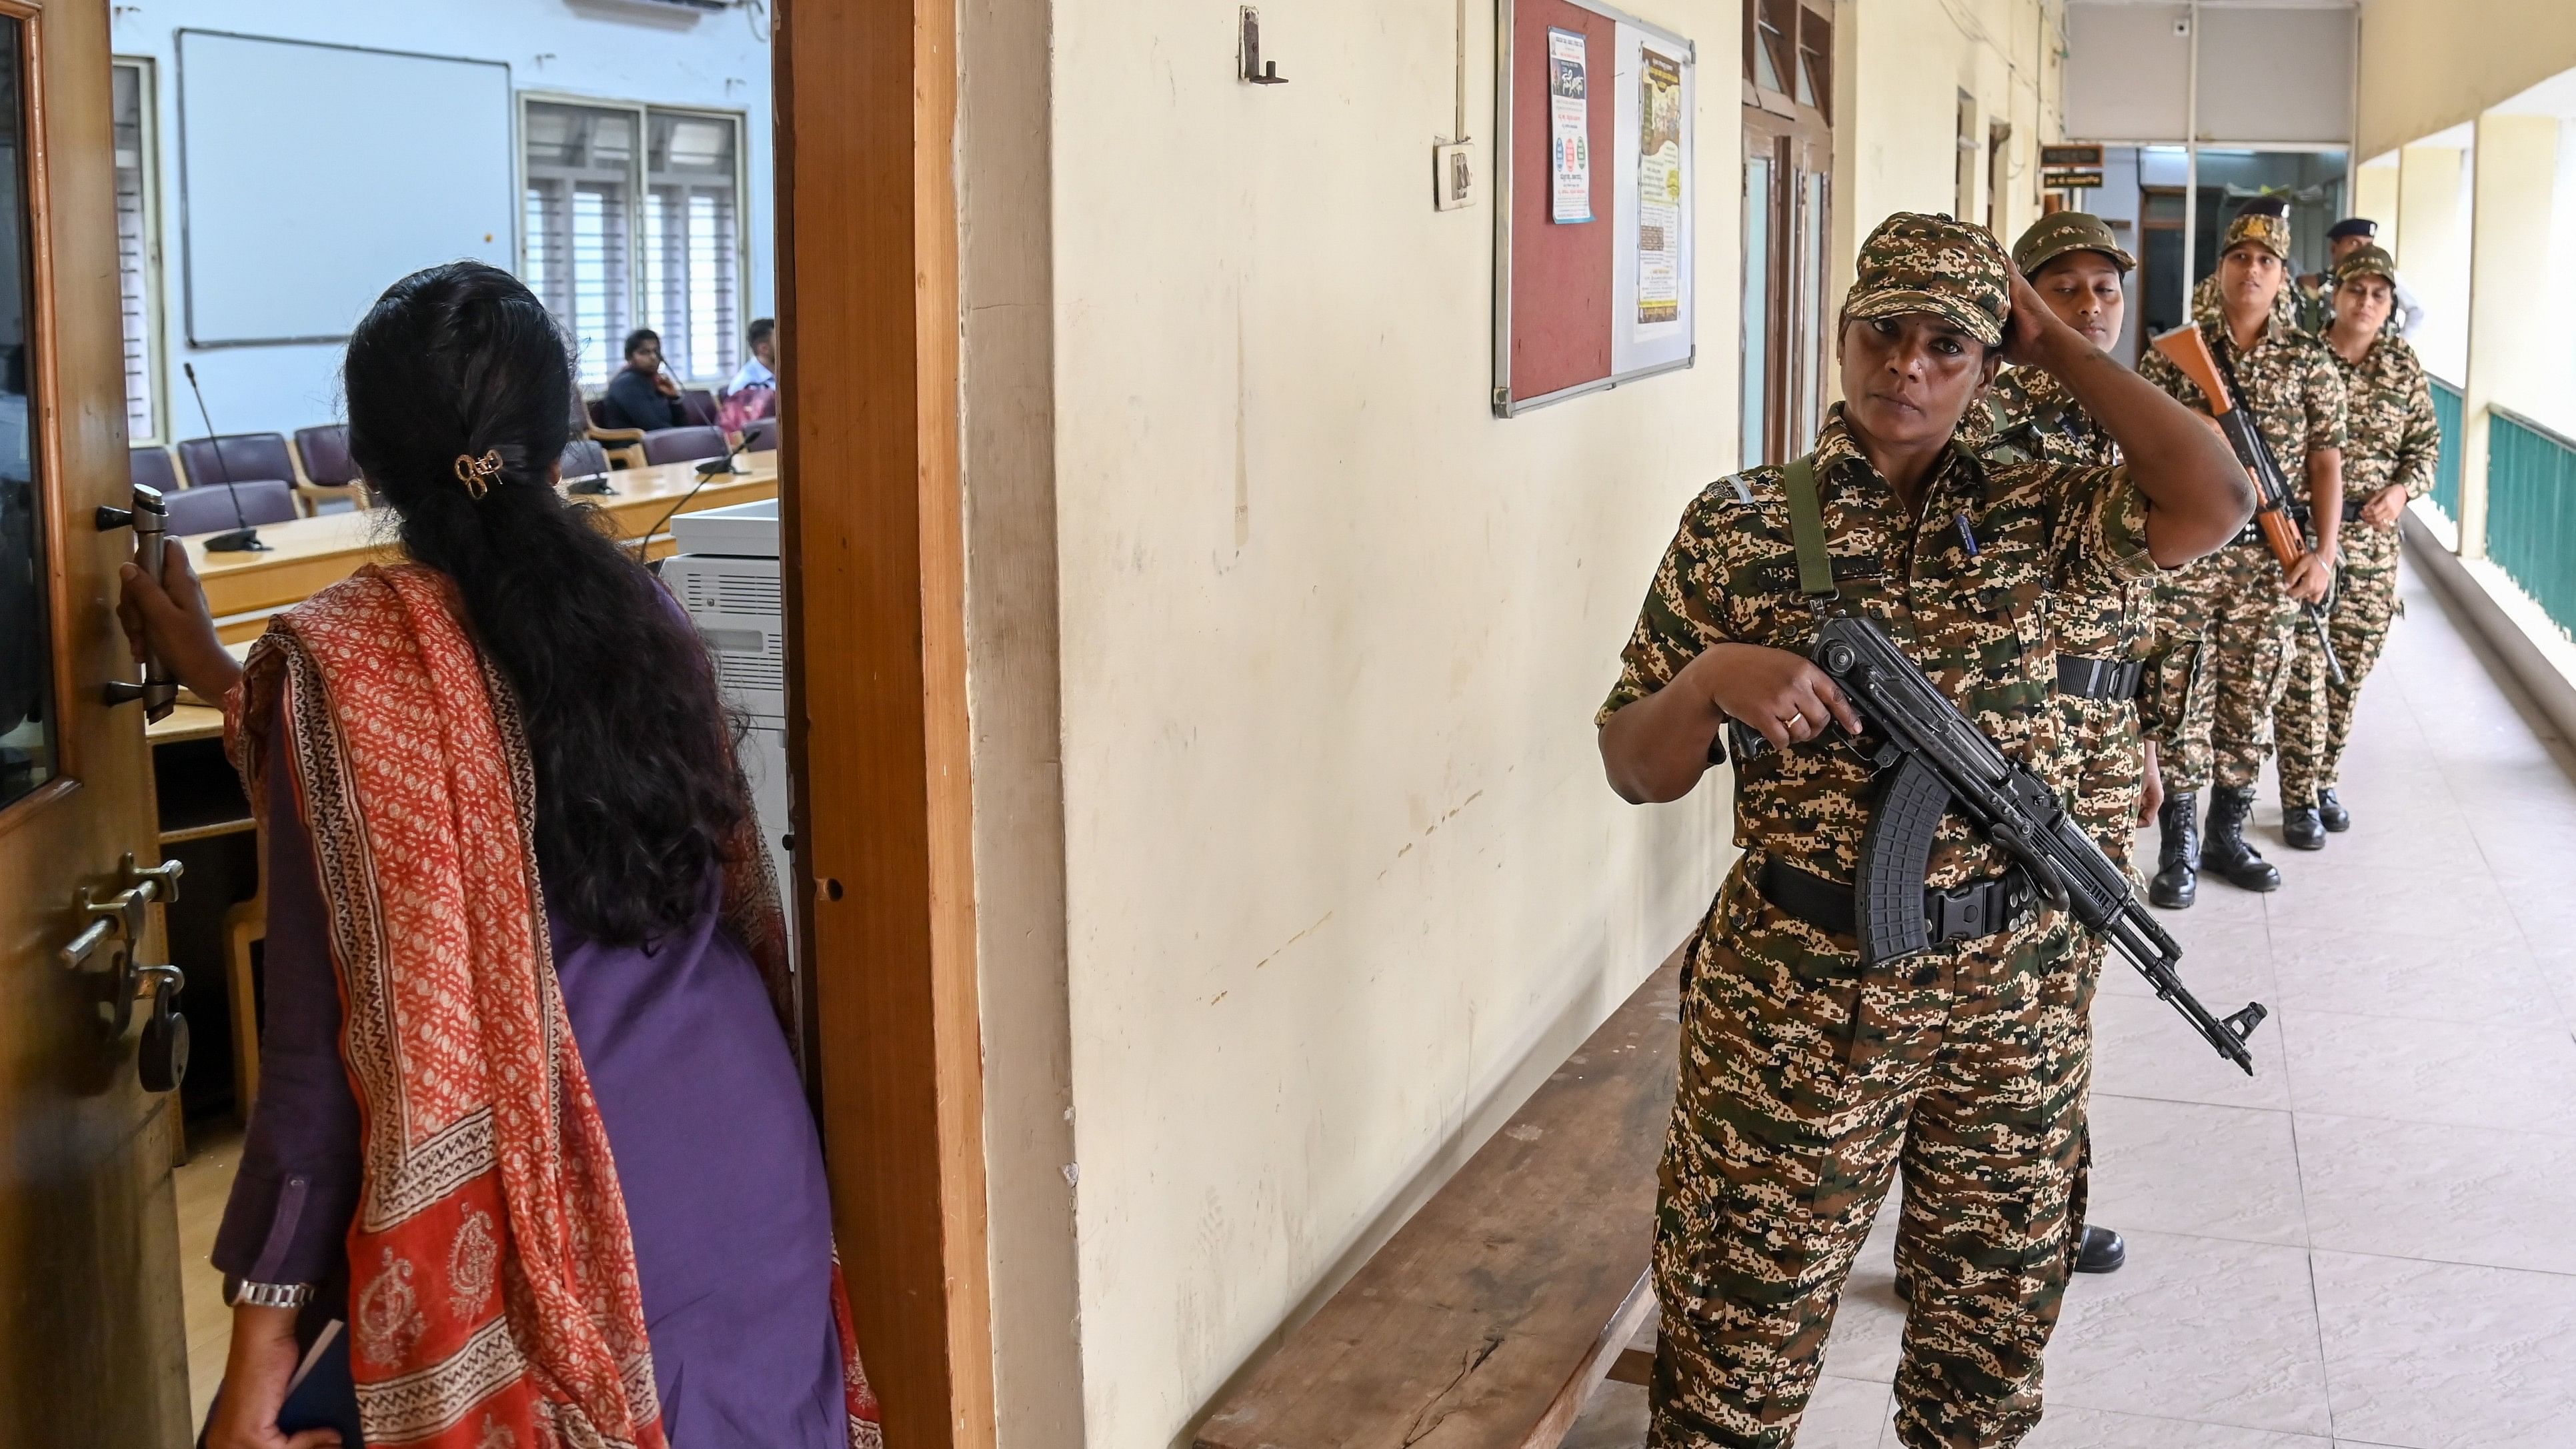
[(306, 555)]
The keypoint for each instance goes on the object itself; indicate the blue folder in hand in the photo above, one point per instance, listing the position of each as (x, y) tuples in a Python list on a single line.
[(323, 1394)]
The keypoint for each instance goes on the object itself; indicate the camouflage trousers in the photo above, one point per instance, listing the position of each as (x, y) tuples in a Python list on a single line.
[(1805, 1085), (2232, 599), (2315, 717)]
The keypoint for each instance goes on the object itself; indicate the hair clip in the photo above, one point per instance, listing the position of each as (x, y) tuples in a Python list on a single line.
[(477, 473)]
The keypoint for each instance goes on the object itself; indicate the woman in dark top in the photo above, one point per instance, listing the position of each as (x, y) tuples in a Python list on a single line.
[(641, 395), (529, 1123)]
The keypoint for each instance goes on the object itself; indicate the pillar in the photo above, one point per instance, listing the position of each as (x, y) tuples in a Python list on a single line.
[(2513, 345), (2374, 195)]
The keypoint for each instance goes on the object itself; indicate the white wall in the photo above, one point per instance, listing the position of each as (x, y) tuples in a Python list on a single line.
[(613, 50), (1901, 66), (1343, 881)]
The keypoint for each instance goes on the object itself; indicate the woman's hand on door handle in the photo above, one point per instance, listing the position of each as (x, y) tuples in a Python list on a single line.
[(168, 617)]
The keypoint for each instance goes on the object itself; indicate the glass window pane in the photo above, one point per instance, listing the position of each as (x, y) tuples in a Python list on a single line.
[(692, 261), (581, 183), (27, 717), (1757, 310), (133, 244)]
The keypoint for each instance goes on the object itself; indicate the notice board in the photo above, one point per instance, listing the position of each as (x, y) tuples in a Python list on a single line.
[(1595, 215)]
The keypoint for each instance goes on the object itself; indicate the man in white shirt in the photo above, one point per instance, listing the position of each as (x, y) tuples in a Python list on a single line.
[(2343, 239), (758, 370)]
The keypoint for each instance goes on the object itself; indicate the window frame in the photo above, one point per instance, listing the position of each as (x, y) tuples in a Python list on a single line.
[(155, 325), (641, 187)]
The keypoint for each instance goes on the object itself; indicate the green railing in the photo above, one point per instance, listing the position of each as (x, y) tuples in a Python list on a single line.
[(2531, 510), (2446, 473)]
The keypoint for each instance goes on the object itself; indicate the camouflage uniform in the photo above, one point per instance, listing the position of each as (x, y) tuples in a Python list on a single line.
[(2235, 598), (1805, 1083), (2390, 438)]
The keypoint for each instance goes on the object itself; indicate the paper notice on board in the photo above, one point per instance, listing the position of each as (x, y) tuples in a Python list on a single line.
[(1659, 189), (1569, 126)]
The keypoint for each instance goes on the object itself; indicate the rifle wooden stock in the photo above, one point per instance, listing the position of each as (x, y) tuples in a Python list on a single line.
[(2185, 347)]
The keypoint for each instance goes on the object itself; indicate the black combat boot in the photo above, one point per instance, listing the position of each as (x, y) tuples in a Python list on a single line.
[(2175, 886), (2103, 1252), (2226, 850), (2301, 827), (2331, 814)]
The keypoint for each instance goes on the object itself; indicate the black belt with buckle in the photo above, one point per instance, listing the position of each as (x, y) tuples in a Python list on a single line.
[(1970, 912), (2099, 678)]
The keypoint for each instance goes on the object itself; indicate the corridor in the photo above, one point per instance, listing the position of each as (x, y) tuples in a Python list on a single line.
[(2369, 1243)]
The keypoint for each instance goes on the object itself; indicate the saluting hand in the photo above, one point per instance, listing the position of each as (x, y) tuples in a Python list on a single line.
[(2031, 331)]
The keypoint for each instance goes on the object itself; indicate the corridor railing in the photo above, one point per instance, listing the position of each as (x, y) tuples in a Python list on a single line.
[(2446, 474), (2531, 510)]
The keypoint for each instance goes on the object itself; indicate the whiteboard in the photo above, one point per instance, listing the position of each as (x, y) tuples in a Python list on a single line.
[(312, 177)]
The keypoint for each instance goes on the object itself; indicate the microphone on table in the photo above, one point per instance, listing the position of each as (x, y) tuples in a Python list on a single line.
[(244, 539), (713, 466)]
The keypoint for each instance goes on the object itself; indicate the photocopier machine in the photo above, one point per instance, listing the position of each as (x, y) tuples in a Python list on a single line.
[(726, 575)]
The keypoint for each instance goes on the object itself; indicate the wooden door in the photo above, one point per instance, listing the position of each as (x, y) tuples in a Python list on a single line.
[(91, 1344)]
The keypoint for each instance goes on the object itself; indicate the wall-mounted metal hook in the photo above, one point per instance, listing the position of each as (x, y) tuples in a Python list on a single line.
[(1254, 70)]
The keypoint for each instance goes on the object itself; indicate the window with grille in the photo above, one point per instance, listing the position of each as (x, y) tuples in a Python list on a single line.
[(137, 247), (632, 219)]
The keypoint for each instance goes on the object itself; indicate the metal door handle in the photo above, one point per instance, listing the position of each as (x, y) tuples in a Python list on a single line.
[(166, 875), (149, 518)]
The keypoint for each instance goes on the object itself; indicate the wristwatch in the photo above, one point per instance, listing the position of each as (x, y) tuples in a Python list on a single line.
[(247, 1294)]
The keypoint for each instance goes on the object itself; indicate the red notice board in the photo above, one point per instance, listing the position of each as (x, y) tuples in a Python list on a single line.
[(1565, 289)]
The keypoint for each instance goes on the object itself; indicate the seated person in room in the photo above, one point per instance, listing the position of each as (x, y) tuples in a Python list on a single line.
[(1805, 1082), (529, 1121), (753, 393), (642, 395)]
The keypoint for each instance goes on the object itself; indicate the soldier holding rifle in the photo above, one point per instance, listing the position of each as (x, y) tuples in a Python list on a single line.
[(1806, 1080), (2241, 599), (2391, 444)]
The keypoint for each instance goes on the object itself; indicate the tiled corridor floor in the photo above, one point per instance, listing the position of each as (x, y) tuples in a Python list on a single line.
[(2373, 1242)]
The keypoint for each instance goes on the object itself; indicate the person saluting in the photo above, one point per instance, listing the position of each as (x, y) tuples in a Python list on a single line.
[(1805, 1082)]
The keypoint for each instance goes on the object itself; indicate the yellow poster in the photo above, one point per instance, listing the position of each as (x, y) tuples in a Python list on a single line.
[(1659, 189)]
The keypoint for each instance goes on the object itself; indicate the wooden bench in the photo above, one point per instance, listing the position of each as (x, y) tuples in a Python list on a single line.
[(1492, 1314)]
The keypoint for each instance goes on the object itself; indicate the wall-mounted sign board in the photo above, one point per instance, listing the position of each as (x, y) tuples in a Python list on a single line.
[(1596, 199), (2072, 154), (2070, 178)]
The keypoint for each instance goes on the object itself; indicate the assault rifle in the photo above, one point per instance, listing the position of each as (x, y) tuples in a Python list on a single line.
[(1932, 758), (2276, 513)]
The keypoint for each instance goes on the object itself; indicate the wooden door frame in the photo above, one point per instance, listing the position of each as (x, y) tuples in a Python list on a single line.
[(872, 553)]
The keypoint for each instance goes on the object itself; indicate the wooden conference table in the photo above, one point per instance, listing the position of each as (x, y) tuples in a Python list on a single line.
[(306, 555)]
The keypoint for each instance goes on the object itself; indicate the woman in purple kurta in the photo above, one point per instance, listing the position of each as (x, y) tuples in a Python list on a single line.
[(703, 1110), (503, 811)]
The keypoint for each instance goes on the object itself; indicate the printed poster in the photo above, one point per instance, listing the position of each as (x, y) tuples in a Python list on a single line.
[(1570, 126), (1659, 189)]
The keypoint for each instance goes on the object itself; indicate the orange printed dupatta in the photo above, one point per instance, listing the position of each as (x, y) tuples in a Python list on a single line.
[(493, 1298)]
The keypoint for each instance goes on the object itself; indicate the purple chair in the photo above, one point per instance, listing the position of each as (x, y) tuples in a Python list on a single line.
[(208, 507), (699, 406), (236, 458), (760, 436), (683, 445), (583, 458), (152, 468), (325, 452), (329, 472)]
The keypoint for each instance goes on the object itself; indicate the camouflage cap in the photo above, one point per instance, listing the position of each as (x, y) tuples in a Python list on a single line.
[(2366, 261), (1919, 262), (2265, 229), (2058, 233)]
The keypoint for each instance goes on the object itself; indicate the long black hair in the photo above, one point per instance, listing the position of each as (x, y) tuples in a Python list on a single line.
[(638, 796)]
